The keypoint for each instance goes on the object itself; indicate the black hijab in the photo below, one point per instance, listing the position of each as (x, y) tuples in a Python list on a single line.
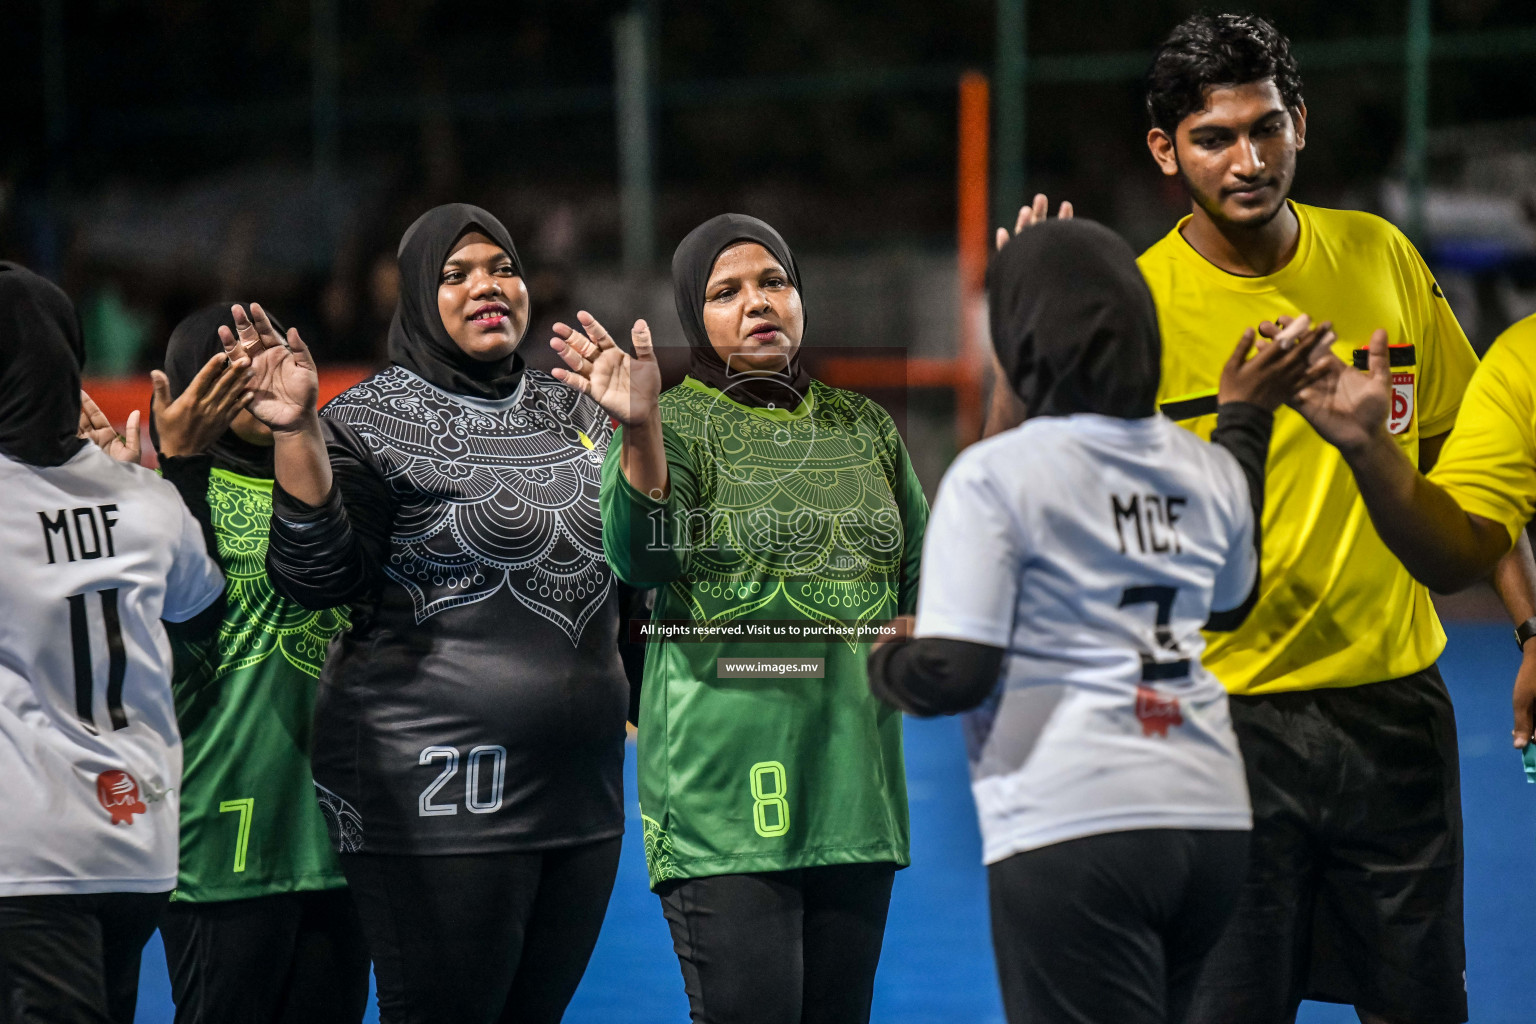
[(1073, 322), (418, 340), (41, 350), (692, 264), (195, 341)]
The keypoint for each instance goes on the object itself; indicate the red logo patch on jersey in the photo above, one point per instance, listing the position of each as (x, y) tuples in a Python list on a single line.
[(1156, 712), (1402, 403), (119, 795)]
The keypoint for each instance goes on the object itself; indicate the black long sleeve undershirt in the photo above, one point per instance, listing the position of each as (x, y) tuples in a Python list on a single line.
[(931, 676), (189, 475), (331, 554), (1244, 430), (635, 606)]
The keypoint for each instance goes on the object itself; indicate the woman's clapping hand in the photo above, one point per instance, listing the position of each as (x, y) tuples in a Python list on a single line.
[(284, 384), (199, 416), (94, 426)]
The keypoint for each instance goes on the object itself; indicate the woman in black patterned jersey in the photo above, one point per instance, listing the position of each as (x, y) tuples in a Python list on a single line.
[(469, 728)]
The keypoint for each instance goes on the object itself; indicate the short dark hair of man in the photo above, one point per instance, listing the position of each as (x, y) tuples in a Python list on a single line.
[(1213, 51)]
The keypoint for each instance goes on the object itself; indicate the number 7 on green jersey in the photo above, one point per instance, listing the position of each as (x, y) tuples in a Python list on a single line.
[(247, 808)]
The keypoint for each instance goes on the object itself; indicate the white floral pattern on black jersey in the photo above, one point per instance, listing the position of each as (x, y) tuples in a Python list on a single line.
[(492, 494)]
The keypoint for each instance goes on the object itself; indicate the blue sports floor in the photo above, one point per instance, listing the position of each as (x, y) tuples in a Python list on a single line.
[(937, 965)]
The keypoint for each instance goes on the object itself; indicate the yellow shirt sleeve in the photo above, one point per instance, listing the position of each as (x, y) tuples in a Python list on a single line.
[(1488, 464), (1446, 358)]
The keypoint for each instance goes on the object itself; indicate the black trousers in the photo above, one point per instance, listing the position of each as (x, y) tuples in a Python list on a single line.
[(1112, 927), (499, 938), (74, 959), (780, 947), (287, 958)]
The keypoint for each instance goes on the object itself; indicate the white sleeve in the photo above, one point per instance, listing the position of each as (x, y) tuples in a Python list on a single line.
[(1235, 579), (972, 554), (194, 581)]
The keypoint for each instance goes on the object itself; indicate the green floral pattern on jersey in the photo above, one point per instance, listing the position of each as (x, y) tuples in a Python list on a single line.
[(250, 821), (658, 852), (260, 623), (806, 516), (796, 507)]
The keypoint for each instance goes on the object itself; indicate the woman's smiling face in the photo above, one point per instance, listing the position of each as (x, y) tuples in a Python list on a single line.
[(482, 300), (752, 313)]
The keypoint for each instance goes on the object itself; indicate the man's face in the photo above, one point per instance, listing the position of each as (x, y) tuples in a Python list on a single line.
[(1237, 157)]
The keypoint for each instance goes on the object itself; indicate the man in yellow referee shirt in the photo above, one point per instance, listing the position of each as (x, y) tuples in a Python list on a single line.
[(1354, 892)]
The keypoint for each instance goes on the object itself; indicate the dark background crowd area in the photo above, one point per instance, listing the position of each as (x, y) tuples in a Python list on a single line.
[(156, 156)]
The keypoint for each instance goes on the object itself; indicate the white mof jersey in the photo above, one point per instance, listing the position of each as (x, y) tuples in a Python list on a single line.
[(1092, 549), (97, 552)]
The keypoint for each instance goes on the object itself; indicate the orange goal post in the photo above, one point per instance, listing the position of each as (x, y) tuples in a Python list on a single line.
[(964, 373)]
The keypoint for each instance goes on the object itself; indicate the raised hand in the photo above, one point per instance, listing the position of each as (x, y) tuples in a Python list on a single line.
[(198, 417), (94, 426), (284, 384), (1347, 407), (1280, 367), (626, 386), (1034, 213)]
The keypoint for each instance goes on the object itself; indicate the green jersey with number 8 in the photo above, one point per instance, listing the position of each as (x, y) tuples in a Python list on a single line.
[(783, 532), (250, 821)]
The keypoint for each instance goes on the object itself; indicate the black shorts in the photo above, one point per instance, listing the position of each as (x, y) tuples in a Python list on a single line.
[(1112, 927), (74, 957), (1354, 891)]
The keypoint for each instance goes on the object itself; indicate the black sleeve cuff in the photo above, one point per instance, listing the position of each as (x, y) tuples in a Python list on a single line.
[(933, 676), (290, 509), (179, 468)]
